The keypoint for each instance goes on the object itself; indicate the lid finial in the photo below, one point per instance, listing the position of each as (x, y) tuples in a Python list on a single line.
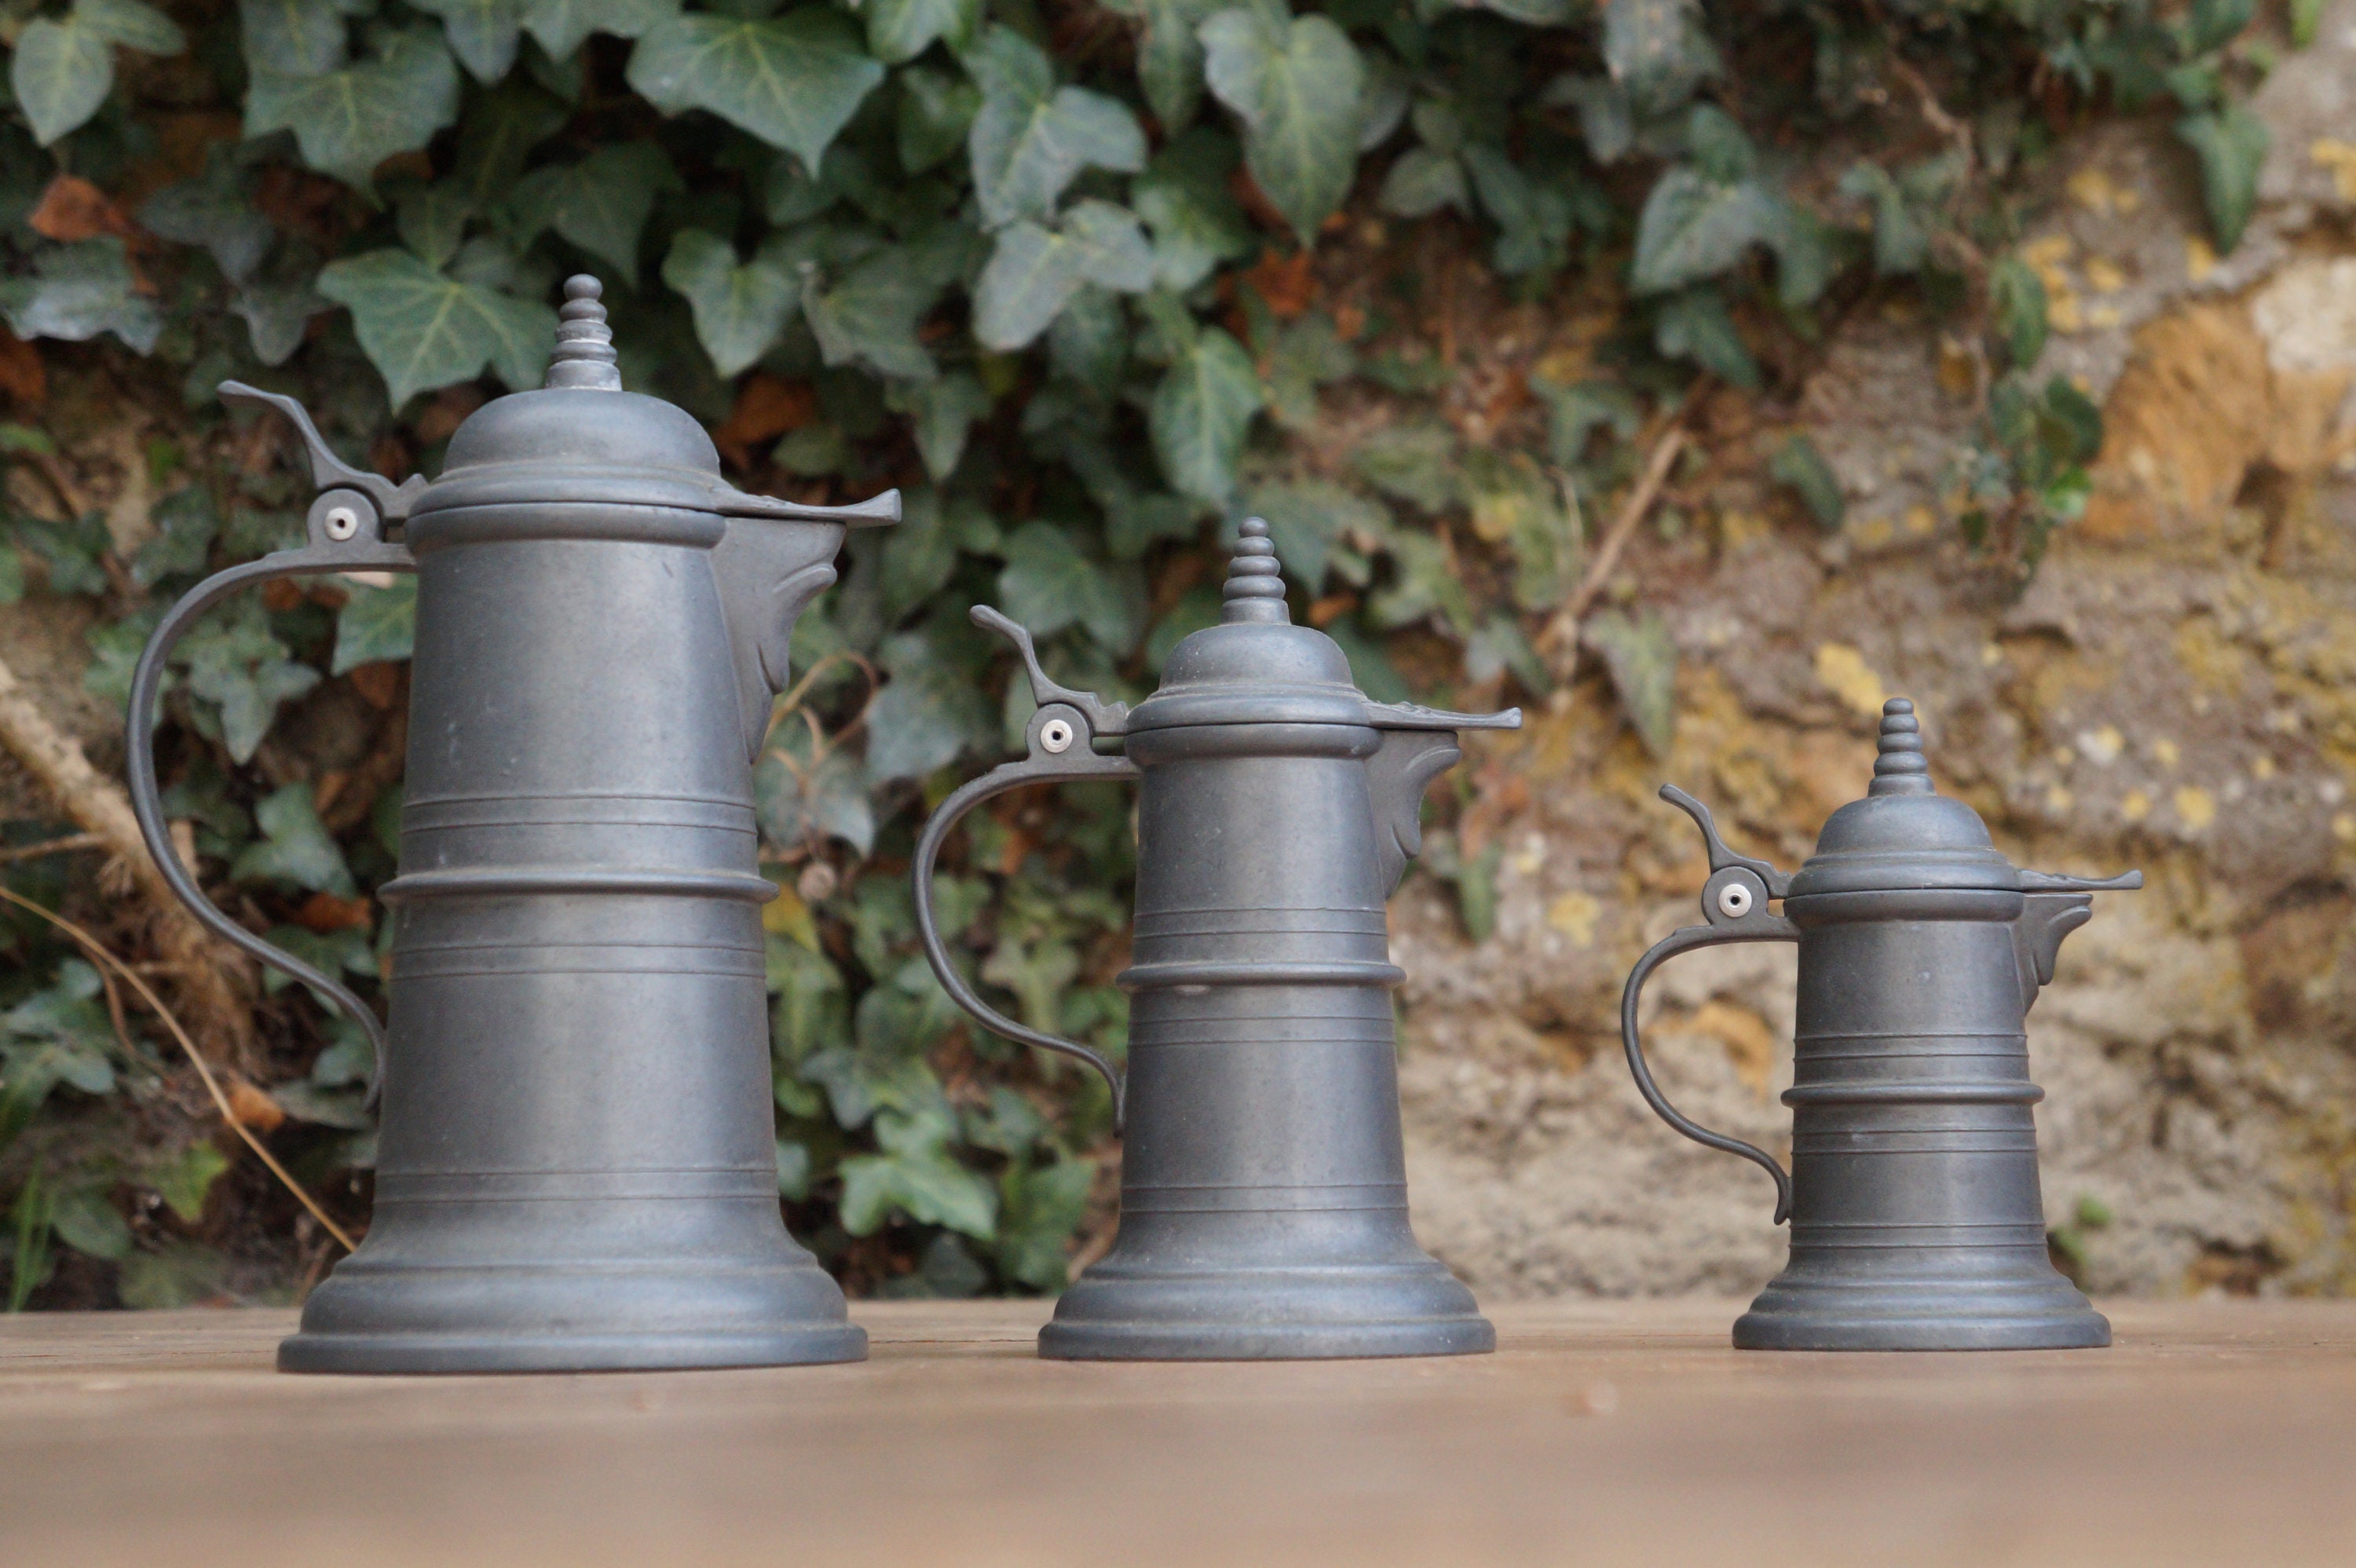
[(1255, 588), (584, 344), (1902, 769)]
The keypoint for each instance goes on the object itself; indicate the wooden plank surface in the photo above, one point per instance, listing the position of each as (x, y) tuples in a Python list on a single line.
[(1601, 1433)]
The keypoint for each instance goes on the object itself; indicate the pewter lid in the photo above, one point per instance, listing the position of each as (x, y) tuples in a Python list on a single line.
[(581, 439), (1903, 834), (1255, 667)]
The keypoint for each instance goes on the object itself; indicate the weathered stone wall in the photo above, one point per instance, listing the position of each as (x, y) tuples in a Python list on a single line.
[(2176, 689)]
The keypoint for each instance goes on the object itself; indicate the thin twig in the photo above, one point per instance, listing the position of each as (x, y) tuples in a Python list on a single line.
[(1563, 630), (98, 950), (65, 845)]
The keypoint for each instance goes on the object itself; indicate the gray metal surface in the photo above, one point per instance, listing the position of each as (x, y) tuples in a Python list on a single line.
[(1916, 1220), (576, 1166), (1264, 1207)]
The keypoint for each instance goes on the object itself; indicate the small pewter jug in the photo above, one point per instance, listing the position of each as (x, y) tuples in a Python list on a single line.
[(1263, 1189), (576, 1166), (1916, 1220)]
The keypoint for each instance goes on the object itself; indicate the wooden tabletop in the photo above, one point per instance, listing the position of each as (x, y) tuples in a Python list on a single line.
[(1601, 1433)]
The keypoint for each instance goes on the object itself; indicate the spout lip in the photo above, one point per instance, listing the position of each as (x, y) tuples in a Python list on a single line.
[(2056, 882), (1414, 715), (875, 512)]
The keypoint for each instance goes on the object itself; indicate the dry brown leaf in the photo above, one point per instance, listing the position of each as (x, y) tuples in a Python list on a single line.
[(72, 210), (767, 408), (22, 375)]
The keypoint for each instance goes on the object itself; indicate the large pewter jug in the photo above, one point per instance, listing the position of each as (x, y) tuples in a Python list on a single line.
[(576, 1166), (1263, 1184), (1917, 1223)]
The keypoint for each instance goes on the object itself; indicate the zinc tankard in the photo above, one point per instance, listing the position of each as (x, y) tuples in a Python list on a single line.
[(1916, 1219), (576, 1163), (1263, 1185)]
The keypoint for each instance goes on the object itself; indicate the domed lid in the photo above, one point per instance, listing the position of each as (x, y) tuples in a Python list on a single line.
[(1256, 667), (582, 439), (1903, 834)]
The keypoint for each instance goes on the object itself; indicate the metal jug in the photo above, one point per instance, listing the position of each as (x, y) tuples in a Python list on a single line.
[(576, 1164), (1916, 1220), (1263, 1188)]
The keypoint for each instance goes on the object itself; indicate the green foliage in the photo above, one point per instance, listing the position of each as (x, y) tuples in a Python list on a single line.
[(1082, 286)]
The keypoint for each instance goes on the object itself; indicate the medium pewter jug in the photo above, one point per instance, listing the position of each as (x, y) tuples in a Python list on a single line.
[(1916, 1220), (577, 1166), (1263, 1188)]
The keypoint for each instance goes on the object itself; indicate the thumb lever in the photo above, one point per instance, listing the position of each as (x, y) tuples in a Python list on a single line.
[(327, 471), (1104, 717), (1720, 857)]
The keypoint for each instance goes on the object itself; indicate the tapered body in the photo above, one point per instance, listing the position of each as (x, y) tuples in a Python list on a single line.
[(1264, 1187), (1916, 1217), (1264, 1210), (576, 1160), (1916, 1220)]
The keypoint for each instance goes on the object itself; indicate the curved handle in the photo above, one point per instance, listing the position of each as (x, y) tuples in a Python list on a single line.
[(1059, 737), (347, 535), (1734, 900), (1060, 741)]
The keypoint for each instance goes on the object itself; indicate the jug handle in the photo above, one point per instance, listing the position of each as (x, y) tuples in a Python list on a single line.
[(346, 534), (1734, 900), (1060, 745)]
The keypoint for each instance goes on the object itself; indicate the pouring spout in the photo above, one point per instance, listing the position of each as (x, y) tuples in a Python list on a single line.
[(768, 573), (2052, 906)]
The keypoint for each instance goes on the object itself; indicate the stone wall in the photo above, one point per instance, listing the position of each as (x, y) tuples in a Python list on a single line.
[(2175, 690)]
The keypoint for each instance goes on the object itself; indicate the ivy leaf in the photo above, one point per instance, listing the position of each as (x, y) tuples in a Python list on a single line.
[(1516, 504), (1900, 243), (184, 1183), (277, 311), (806, 795), (2017, 299), (346, 121), (481, 32), (561, 26), (935, 112), (1184, 200), (740, 310), (1643, 665), (1423, 181), (64, 69), (212, 210), (930, 711), (900, 30), (1039, 1208), (293, 850), (1532, 13), (1701, 217), (1305, 521), (501, 128), (1201, 414), (432, 220), (916, 1174), (793, 80), (2232, 143), (600, 204), (1656, 50), (376, 625), (1034, 273), (422, 329), (1047, 585), (1032, 138), (59, 1034), (87, 1223), (1798, 464), (1415, 463), (235, 662), (1534, 220), (1296, 88), (1170, 58), (944, 411), (869, 315), (77, 291), (294, 37), (1696, 325)]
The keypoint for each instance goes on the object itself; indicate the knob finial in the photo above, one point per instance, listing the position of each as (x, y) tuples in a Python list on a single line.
[(584, 344), (1255, 588), (1902, 769)]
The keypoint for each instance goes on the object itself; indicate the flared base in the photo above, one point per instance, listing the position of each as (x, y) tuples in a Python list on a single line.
[(402, 1304), (1117, 1313), (2021, 1309)]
